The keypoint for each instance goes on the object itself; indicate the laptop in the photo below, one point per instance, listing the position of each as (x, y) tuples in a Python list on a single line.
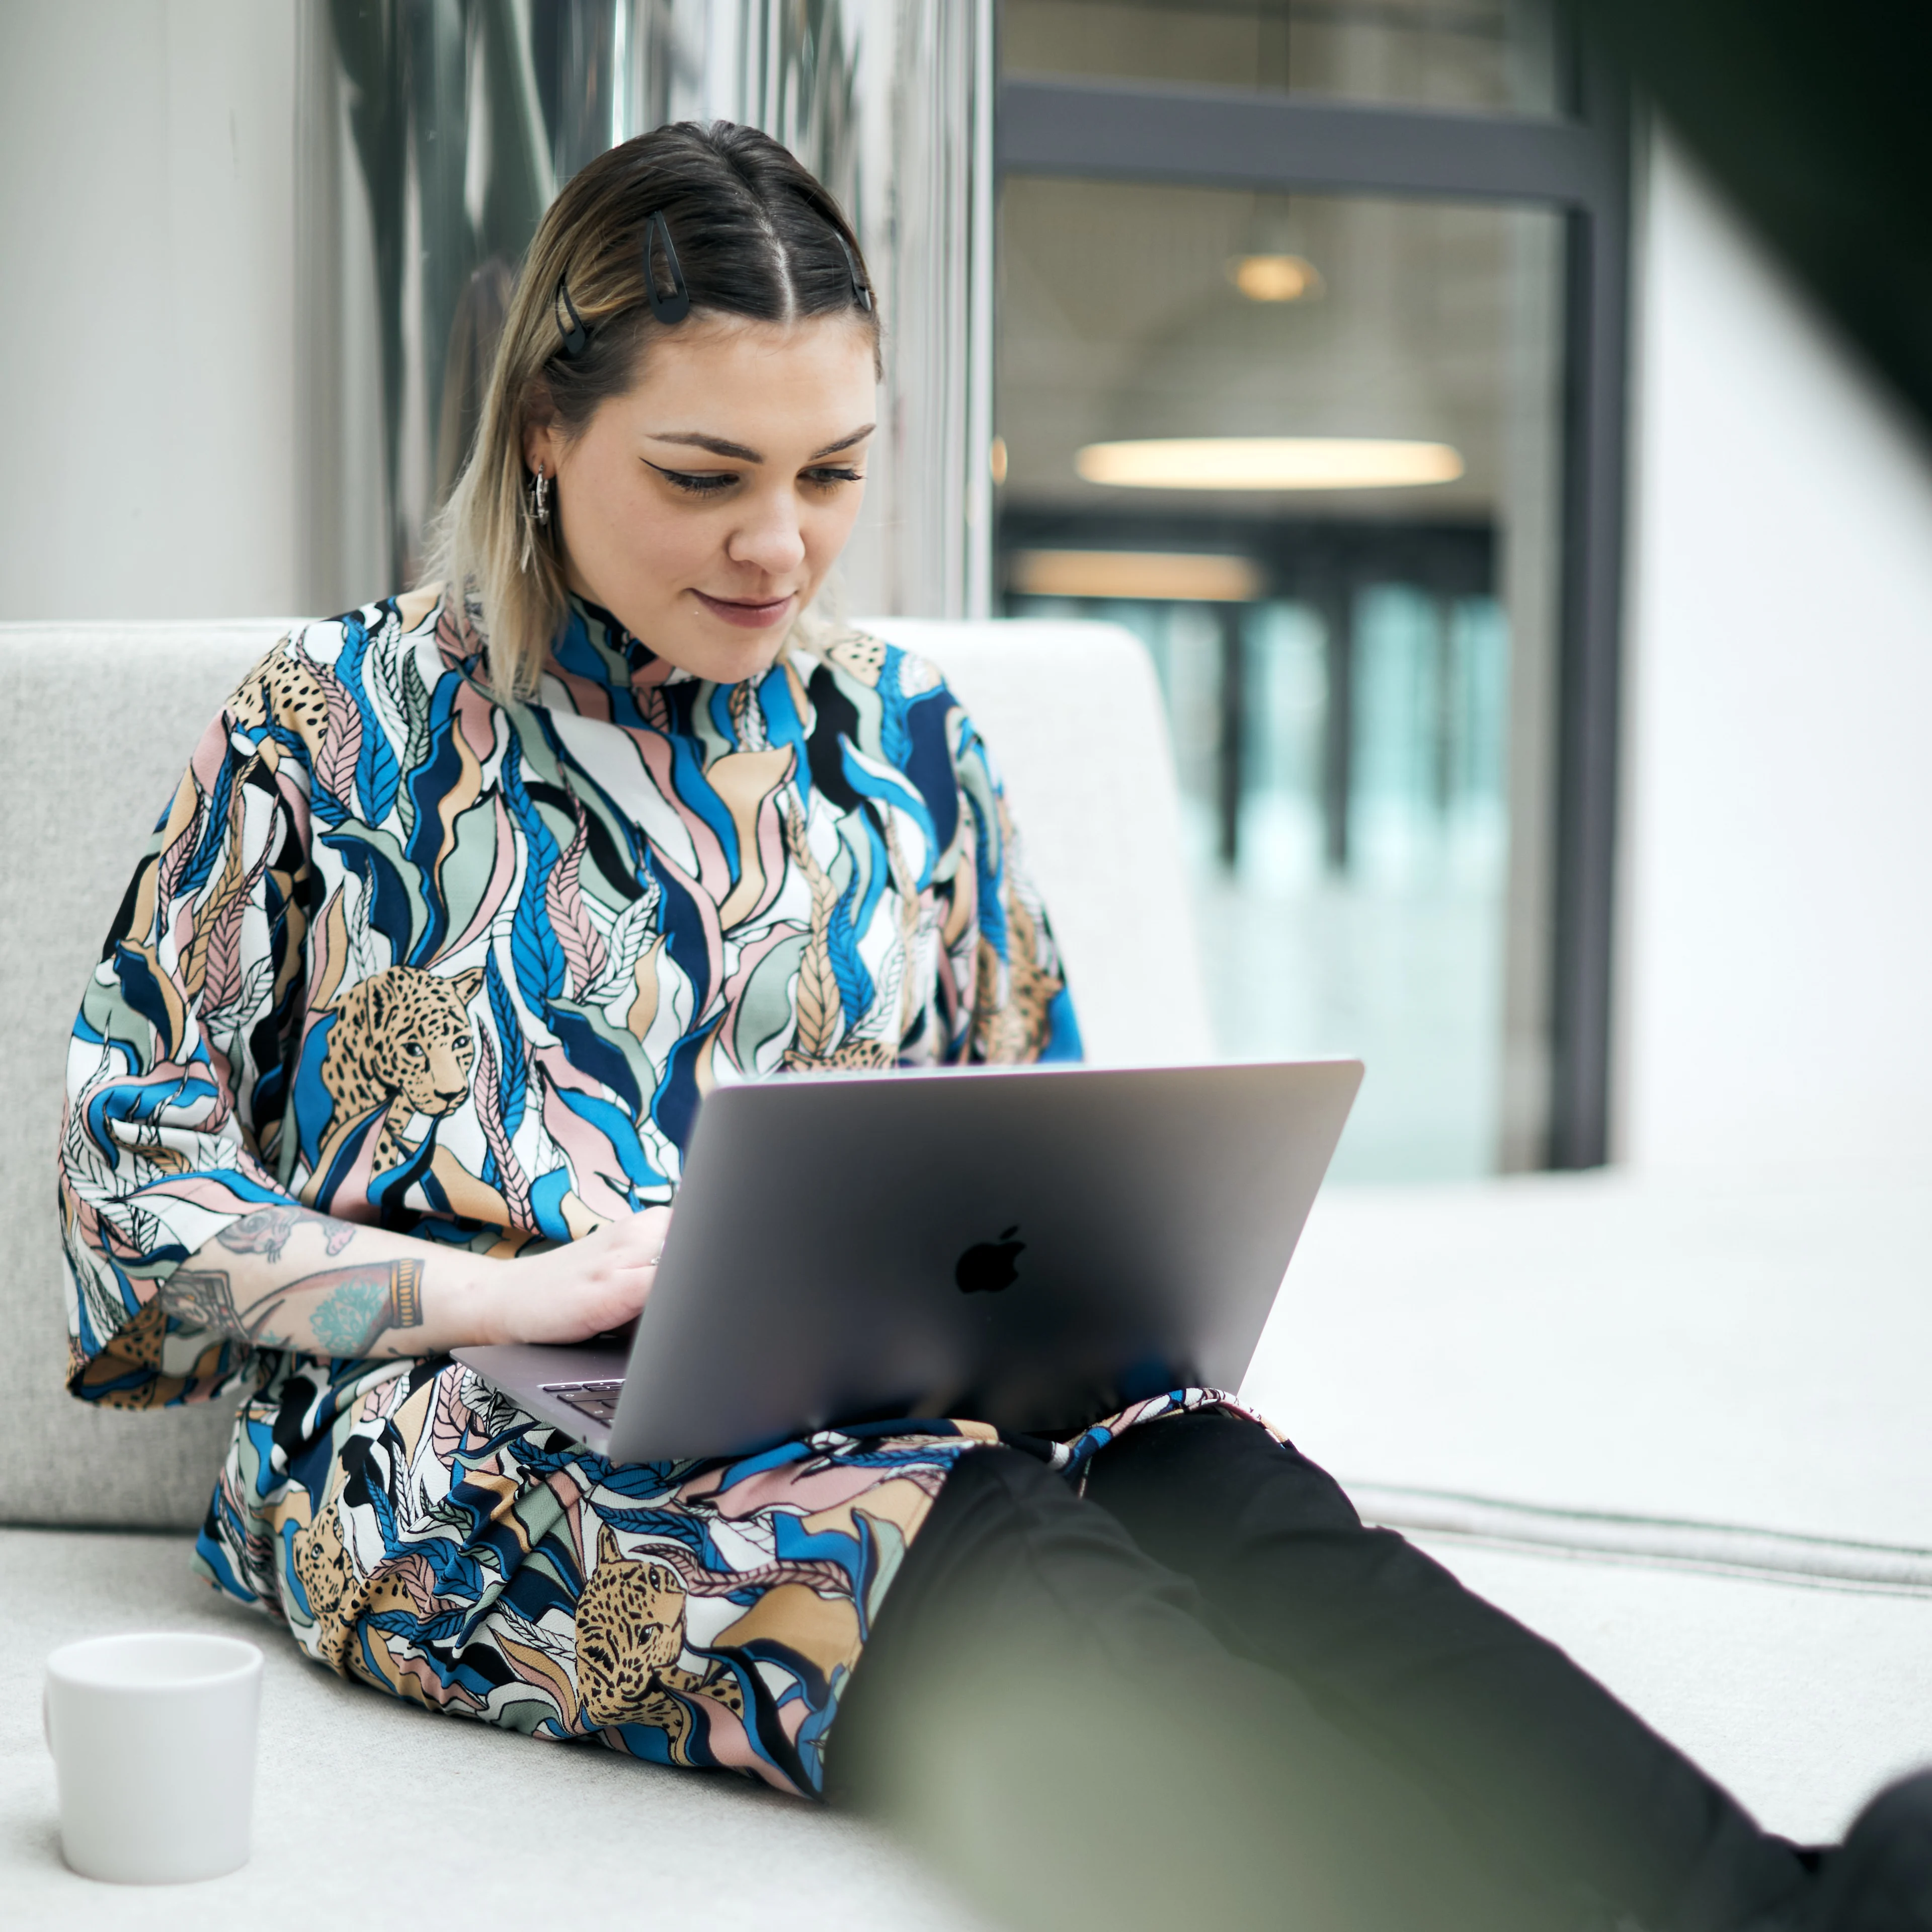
[(1033, 1248)]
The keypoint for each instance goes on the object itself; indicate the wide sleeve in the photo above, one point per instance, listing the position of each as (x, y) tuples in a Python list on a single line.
[(178, 1069), (1004, 987)]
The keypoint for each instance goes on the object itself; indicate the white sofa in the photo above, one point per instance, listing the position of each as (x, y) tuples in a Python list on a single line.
[(1677, 1427)]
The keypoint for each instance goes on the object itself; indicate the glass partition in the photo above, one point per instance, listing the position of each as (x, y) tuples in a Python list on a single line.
[(1488, 54), (1309, 449)]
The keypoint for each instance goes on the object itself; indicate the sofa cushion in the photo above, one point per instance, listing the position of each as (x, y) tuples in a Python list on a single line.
[(1802, 1700), (1738, 1348), (372, 1812), (97, 721), (1074, 715)]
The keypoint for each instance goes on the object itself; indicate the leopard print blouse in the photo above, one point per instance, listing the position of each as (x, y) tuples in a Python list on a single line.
[(408, 955)]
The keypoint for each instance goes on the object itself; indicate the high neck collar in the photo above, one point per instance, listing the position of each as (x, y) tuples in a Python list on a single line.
[(593, 644)]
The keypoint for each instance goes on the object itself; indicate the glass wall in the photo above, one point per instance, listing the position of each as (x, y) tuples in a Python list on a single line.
[(1308, 448), (1437, 53)]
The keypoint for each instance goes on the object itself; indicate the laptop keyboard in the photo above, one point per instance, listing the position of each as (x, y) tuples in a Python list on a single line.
[(597, 1400)]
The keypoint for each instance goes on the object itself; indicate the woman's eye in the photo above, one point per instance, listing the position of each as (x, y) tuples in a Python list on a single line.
[(706, 483), (830, 479)]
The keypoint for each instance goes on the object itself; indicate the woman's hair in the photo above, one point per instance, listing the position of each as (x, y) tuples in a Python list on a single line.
[(754, 235)]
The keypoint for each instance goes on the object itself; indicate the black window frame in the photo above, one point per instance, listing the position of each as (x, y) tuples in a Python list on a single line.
[(1577, 163)]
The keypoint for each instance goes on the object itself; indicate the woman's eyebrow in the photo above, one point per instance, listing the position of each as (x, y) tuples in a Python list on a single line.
[(698, 439), (844, 442), (718, 446)]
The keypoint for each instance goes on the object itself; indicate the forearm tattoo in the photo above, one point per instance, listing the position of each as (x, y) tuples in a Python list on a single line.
[(363, 1304), (350, 1309), (266, 1231)]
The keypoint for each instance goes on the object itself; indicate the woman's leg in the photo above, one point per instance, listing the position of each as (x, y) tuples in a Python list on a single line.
[(1042, 1709), (1540, 1764)]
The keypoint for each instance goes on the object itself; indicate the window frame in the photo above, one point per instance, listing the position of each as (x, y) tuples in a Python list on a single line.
[(1578, 163)]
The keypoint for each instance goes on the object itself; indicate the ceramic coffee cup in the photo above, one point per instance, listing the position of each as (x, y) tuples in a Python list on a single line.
[(154, 1742)]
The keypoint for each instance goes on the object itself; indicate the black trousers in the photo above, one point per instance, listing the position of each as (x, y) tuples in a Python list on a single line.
[(1204, 1692)]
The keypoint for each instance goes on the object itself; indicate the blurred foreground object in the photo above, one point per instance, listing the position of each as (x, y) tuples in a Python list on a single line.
[(1815, 122)]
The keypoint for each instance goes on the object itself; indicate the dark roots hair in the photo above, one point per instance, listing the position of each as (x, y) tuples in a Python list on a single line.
[(754, 235)]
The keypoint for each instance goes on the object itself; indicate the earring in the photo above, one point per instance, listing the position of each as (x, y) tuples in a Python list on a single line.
[(540, 498)]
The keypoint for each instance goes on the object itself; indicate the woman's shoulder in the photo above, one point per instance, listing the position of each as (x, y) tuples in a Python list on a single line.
[(389, 627), (317, 677), (874, 664), (386, 627)]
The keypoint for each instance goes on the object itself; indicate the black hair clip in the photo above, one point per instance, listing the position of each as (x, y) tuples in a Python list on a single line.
[(576, 337), (861, 294), (677, 305)]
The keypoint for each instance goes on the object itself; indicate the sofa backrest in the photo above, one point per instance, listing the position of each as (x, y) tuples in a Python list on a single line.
[(97, 721), (1072, 712)]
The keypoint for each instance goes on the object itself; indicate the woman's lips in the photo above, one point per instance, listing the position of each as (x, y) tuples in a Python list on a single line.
[(747, 615)]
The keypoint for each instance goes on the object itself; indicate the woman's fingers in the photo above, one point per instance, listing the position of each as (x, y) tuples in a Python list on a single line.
[(627, 1247), (587, 1286), (656, 1223), (638, 1236)]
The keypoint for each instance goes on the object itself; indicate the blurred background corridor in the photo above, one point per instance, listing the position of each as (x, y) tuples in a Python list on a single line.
[(1520, 486)]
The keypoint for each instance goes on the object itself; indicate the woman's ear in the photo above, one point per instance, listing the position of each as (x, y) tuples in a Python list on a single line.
[(543, 437)]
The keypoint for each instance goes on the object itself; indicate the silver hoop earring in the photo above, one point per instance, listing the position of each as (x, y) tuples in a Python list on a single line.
[(540, 498)]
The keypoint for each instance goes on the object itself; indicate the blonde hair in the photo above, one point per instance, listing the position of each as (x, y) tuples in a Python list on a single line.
[(754, 235)]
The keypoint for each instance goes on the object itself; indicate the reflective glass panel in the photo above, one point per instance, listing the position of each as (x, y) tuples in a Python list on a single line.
[(1313, 462), (1494, 54)]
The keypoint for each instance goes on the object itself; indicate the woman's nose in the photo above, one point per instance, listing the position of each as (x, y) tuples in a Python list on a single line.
[(771, 540)]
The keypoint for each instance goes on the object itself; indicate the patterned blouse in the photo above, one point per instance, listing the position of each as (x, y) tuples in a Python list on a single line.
[(412, 956)]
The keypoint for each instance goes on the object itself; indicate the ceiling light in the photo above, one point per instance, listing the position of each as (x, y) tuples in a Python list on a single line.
[(1190, 576), (1276, 278), (1269, 463)]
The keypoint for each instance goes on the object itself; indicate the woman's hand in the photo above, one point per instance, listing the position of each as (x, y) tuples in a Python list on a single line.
[(580, 1290)]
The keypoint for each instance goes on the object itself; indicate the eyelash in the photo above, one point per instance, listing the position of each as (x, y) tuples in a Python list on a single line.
[(714, 483)]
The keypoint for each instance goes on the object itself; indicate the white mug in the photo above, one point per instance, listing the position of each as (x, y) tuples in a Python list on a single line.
[(154, 1742)]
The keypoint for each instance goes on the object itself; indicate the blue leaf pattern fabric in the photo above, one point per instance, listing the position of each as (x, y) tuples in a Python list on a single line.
[(623, 893)]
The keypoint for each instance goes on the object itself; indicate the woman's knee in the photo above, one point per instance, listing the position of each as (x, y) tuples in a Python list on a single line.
[(1013, 1583), (1185, 1484)]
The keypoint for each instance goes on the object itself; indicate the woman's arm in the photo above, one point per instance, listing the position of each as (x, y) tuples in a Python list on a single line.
[(286, 1277), (178, 1073), (1001, 953)]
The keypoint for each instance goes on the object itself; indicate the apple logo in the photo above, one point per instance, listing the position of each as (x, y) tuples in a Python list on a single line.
[(987, 1267)]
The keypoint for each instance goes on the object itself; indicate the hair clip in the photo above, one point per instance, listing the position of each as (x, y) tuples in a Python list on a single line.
[(861, 294), (576, 337), (677, 305)]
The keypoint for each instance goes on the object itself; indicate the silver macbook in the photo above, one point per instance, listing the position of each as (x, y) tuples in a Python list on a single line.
[(1032, 1248)]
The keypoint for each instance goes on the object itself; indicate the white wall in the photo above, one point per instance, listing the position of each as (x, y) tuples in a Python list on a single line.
[(1777, 915), (147, 307)]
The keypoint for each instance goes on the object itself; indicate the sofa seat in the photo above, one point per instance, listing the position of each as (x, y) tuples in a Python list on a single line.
[(1676, 1425), (1666, 1424), (1802, 1699), (370, 1813)]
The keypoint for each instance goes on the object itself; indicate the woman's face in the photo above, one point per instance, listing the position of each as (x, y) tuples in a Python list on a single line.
[(703, 507)]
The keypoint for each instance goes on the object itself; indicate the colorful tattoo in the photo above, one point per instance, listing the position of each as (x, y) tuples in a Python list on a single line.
[(348, 1319), (266, 1231), (406, 1293), (358, 1306), (201, 1298)]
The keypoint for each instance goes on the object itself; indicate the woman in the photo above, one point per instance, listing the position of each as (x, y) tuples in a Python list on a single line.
[(465, 900)]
